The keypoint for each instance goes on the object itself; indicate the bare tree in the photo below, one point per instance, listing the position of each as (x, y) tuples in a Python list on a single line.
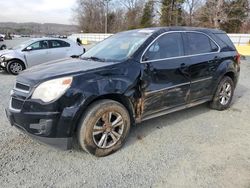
[(192, 6)]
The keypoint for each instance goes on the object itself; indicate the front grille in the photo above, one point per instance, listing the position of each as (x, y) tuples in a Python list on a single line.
[(16, 103), (22, 87)]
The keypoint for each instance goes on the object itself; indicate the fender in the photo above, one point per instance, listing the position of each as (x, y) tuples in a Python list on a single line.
[(119, 83), (225, 67)]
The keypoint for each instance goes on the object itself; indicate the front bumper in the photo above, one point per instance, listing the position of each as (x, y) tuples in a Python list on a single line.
[(42, 127), (2, 65)]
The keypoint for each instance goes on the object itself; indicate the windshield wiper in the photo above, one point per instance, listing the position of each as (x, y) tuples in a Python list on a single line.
[(94, 58)]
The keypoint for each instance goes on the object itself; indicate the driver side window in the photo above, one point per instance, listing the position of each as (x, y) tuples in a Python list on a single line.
[(168, 45), (40, 45)]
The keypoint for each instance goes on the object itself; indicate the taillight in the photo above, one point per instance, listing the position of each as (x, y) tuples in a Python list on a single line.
[(237, 58)]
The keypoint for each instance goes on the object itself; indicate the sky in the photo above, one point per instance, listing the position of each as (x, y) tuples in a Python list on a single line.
[(41, 11)]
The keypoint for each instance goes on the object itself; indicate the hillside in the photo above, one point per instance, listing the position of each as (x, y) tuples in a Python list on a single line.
[(36, 28)]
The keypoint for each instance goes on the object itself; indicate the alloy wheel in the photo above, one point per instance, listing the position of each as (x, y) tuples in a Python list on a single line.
[(108, 130), (225, 93), (16, 67)]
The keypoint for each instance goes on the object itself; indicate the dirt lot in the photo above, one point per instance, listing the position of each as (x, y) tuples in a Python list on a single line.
[(197, 147)]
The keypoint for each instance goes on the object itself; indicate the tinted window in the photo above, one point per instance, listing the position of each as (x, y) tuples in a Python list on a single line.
[(40, 45), (167, 46), (199, 43), (59, 44), (227, 43)]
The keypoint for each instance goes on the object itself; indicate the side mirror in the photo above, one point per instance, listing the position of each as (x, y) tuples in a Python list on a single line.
[(29, 48)]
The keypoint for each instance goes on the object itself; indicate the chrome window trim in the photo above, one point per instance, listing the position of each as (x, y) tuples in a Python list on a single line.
[(178, 57)]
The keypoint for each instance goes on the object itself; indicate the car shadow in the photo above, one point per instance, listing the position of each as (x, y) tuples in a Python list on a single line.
[(144, 129), (240, 91), (4, 72), (140, 131)]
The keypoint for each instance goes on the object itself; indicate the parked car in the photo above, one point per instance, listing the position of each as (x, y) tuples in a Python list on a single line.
[(2, 46), (128, 78), (38, 51)]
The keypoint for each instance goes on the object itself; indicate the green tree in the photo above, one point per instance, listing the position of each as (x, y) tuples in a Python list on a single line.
[(147, 17)]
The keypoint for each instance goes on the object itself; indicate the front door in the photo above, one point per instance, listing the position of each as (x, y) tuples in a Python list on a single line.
[(165, 79), (38, 53)]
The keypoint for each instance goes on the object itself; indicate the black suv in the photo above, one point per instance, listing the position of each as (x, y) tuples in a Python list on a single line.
[(128, 78)]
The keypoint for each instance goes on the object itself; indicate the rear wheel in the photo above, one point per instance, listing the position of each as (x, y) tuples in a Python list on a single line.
[(15, 67), (223, 95), (104, 128)]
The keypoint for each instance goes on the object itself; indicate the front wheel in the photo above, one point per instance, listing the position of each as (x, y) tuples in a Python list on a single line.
[(223, 95), (15, 67), (3, 47), (103, 128)]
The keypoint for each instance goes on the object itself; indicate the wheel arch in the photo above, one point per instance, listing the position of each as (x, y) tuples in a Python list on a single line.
[(16, 59), (122, 99)]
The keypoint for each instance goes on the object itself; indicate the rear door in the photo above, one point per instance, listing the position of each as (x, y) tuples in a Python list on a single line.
[(165, 82), (204, 60), (58, 49)]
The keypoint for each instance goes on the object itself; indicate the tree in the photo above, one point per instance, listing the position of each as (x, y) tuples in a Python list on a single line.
[(133, 12), (171, 12), (90, 15), (237, 13), (147, 17), (191, 8)]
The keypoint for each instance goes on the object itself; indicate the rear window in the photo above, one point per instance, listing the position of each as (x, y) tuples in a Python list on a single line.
[(227, 44), (199, 43), (59, 44)]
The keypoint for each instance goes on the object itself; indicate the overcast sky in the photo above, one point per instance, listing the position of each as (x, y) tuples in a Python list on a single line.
[(42, 11)]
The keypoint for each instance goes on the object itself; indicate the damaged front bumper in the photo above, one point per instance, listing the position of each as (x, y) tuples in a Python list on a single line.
[(39, 127)]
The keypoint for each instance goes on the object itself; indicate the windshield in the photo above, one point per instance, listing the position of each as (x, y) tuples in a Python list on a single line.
[(23, 44), (117, 48)]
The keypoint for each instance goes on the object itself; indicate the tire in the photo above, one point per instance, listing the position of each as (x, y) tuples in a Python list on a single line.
[(224, 94), (3, 47), (107, 138), (15, 67)]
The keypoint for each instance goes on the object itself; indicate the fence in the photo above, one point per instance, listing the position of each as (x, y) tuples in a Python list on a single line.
[(90, 37), (240, 39)]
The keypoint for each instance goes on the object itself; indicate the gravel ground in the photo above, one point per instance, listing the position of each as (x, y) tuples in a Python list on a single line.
[(197, 147)]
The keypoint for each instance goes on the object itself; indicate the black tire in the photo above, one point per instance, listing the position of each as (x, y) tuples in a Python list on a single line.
[(3, 47), (15, 67), (100, 133), (224, 94)]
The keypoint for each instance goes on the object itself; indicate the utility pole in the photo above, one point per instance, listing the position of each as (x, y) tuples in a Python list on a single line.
[(106, 3)]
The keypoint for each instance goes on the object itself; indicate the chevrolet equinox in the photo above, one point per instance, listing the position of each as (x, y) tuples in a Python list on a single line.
[(128, 78)]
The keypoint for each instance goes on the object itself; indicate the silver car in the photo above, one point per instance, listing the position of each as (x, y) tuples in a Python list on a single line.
[(37, 51)]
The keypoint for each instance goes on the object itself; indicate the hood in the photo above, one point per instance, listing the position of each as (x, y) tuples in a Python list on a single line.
[(9, 54), (5, 52), (59, 68)]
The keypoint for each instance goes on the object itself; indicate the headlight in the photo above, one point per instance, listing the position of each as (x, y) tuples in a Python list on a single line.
[(52, 89)]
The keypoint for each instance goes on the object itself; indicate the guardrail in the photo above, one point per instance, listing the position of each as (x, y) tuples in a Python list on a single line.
[(90, 37)]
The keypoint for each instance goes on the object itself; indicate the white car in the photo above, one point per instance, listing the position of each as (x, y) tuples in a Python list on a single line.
[(37, 51)]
